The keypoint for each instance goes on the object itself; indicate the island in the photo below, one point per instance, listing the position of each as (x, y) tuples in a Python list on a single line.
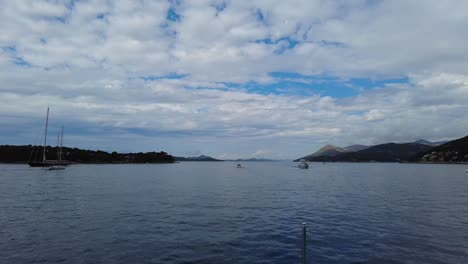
[(26, 153), (199, 158)]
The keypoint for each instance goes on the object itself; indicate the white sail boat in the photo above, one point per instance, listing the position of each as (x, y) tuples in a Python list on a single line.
[(60, 165), (45, 162)]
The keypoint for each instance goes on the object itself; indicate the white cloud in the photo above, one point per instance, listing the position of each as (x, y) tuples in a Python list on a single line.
[(86, 60), (374, 115)]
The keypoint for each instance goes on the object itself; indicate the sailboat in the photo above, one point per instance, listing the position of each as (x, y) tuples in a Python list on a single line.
[(49, 163), (60, 165)]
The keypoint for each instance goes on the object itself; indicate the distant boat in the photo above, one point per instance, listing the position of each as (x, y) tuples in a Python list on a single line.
[(303, 164), (238, 159), (59, 163)]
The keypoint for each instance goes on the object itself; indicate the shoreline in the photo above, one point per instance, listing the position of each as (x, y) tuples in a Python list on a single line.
[(401, 162), (141, 163), (94, 163)]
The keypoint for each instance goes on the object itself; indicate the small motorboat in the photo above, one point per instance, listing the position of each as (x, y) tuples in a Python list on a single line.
[(239, 165), (303, 164)]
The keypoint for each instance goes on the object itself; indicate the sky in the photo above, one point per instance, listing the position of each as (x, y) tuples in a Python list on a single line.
[(258, 78)]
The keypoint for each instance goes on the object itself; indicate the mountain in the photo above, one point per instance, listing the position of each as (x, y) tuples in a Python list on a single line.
[(389, 152), (254, 160), (325, 151), (199, 158), (22, 154), (429, 143), (452, 151), (353, 148), (330, 151)]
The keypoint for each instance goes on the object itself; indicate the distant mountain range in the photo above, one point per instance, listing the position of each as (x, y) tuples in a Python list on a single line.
[(326, 151), (332, 151), (388, 152), (199, 158), (452, 151), (429, 143), (253, 160)]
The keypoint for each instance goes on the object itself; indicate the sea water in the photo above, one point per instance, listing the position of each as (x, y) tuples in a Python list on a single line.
[(213, 212)]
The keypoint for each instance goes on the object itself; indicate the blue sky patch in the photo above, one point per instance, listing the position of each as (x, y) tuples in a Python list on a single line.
[(168, 76), (15, 59), (220, 7), (291, 83), (21, 62), (102, 16), (172, 15), (9, 50), (335, 44), (367, 83), (290, 43), (260, 16)]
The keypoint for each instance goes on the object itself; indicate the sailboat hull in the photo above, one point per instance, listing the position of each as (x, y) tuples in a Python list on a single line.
[(47, 163), (39, 164)]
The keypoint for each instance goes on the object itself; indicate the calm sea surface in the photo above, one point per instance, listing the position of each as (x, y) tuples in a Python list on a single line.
[(200, 212)]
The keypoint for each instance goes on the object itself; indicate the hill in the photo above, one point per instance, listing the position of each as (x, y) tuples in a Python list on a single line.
[(329, 150), (23, 154), (390, 152), (325, 151), (353, 148), (199, 158), (254, 160), (452, 151), (429, 143)]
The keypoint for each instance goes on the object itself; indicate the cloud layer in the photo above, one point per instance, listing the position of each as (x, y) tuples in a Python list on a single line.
[(199, 76)]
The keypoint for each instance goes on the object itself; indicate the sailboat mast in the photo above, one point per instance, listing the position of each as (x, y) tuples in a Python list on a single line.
[(58, 146), (61, 144), (45, 136)]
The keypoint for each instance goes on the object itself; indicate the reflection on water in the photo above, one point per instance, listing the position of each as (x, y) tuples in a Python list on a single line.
[(197, 212)]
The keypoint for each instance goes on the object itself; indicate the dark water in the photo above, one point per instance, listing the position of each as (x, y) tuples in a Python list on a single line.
[(215, 213)]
